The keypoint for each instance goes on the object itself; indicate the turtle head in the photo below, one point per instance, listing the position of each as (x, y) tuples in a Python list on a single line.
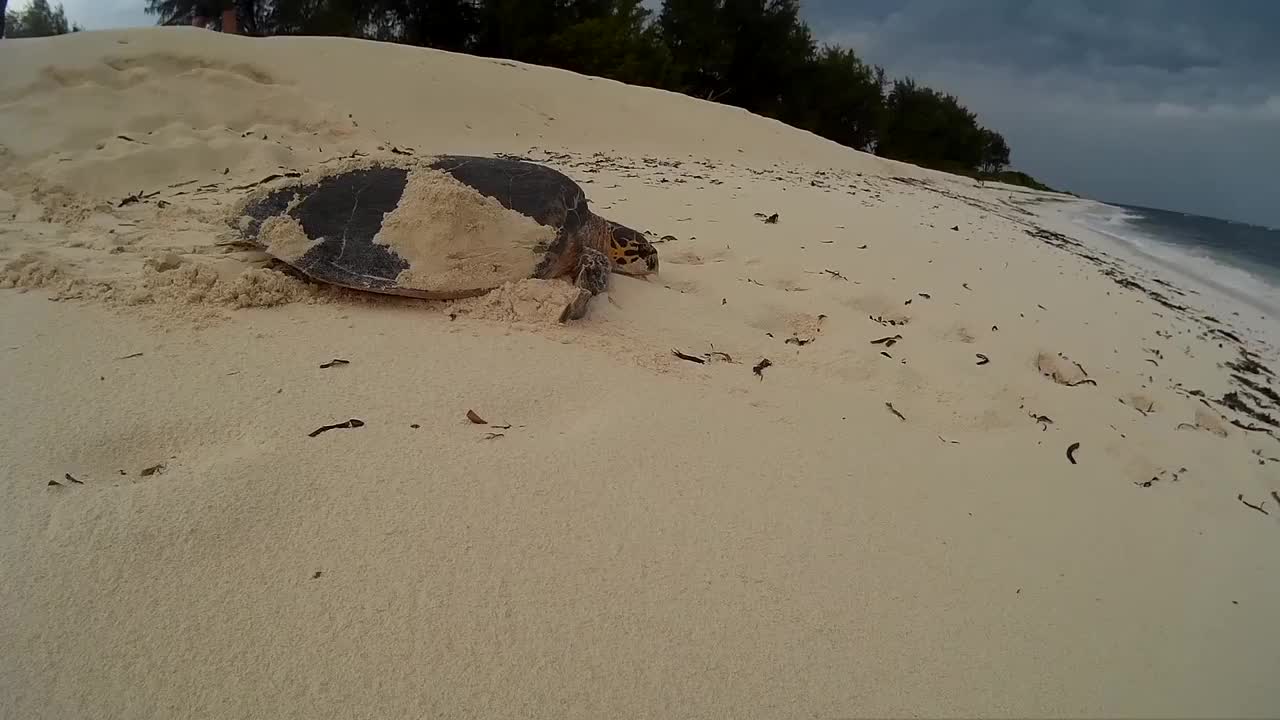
[(630, 251)]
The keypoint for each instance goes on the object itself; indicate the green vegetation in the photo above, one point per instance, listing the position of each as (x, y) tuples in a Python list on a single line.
[(755, 54), (37, 19), (1015, 177)]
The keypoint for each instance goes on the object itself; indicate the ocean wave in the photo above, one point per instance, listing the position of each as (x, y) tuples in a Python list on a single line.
[(1201, 265)]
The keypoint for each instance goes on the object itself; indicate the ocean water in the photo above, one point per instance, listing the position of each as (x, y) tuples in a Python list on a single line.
[(1239, 260)]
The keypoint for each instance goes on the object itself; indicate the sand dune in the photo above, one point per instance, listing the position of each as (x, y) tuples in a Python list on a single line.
[(882, 522)]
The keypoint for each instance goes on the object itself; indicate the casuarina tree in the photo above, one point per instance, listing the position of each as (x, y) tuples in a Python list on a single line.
[(37, 19)]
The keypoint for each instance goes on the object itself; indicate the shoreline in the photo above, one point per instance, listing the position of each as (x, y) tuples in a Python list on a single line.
[(1221, 298), (1206, 306)]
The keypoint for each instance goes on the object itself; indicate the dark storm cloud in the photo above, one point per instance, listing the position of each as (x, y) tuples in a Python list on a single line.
[(1174, 35), (1173, 104)]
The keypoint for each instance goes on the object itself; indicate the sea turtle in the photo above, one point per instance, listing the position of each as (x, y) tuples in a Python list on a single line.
[(442, 227)]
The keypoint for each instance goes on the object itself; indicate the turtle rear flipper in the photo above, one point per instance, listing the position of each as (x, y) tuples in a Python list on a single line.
[(593, 271)]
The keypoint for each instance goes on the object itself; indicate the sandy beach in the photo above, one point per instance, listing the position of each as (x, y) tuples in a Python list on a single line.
[(991, 469)]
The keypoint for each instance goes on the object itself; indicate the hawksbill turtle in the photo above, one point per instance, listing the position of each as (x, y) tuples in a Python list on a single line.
[(442, 227)]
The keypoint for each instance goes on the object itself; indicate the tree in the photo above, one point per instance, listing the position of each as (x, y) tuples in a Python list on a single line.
[(995, 152), (699, 49), (520, 29), (444, 24), (613, 39), (743, 52), (351, 18), (37, 19), (770, 49), (610, 38), (448, 24), (250, 14), (838, 97), (756, 54), (926, 127)]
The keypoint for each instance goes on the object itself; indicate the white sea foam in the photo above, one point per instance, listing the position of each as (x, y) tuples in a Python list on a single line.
[(1200, 266)]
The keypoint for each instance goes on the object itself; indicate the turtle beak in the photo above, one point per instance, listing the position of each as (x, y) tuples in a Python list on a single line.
[(649, 255)]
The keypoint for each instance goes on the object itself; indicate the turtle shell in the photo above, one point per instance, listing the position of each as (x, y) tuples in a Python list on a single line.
[(443, 227)]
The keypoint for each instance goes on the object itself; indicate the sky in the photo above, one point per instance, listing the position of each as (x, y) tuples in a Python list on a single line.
[(1172, 104), (101, 14), (1163, 103)]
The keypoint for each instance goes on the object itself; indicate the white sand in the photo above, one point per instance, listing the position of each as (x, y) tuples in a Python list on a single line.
[(651, 537)]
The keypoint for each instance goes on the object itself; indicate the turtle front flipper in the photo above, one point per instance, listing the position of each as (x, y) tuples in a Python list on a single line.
[(593, 271), (592, 278), (576, 307)]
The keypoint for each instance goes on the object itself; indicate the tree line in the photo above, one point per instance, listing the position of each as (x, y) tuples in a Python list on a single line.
[(755, 54), (37, 19)]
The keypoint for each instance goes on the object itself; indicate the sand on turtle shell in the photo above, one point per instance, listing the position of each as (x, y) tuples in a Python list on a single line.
[(284, 238), (457, 240)]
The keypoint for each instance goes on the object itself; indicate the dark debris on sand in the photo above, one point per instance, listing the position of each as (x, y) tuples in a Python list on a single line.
[(1252, 397), (352, 423), (1257, 388), (759, 367)]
